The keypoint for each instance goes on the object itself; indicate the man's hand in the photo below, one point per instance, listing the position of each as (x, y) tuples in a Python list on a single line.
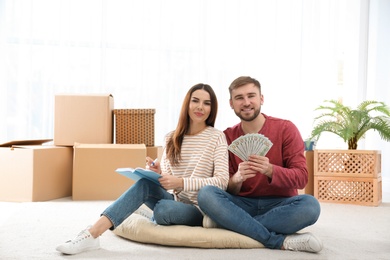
[(243, 173), (261, 164), (256, 164)]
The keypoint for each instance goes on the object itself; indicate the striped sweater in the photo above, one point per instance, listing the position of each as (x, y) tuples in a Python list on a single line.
[(204, 161)]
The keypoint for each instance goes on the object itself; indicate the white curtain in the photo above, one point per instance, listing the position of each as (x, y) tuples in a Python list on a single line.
[(148, 53)]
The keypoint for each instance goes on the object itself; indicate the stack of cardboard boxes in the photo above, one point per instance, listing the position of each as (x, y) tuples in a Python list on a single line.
[(82, 161)]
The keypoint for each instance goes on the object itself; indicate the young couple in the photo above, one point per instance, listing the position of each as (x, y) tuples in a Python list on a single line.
[(204, 184)]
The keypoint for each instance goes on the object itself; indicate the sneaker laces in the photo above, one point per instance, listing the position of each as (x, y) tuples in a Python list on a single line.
[(298, 243), (81, 236), (303, 242)]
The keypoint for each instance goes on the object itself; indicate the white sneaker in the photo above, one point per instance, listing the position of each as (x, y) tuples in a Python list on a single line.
[(303, 242), (208, 222), (84, 241)]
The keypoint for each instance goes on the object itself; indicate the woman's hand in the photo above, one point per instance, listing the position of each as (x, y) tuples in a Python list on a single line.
[(170, 182), (153, 165)]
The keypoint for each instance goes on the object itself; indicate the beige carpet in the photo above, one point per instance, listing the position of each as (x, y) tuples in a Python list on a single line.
[(32, 231)]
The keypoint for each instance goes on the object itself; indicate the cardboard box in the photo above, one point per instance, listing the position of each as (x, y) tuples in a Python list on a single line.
[(25, 142), (154, 152), (83, 119), (35, 173), (94, 176)]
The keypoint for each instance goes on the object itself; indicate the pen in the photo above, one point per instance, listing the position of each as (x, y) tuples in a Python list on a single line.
[(154, 162)]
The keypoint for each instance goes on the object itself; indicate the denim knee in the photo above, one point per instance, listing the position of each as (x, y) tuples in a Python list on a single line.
[(159, 211), (208, 198), (205, 193), (313, 207), (162, 212)]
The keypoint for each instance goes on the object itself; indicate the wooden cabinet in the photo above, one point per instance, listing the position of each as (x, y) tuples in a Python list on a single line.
[(309, 189)]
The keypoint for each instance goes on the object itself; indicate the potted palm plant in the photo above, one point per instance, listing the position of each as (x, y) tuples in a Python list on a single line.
[(350, 176), (352, 124)]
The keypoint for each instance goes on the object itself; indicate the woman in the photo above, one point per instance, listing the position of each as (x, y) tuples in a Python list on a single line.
[(195, 155)]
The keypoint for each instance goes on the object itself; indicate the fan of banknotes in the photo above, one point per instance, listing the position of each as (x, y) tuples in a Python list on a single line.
[(249, 144)]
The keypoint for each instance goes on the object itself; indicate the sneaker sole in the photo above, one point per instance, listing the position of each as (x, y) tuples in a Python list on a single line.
[(70, 252)]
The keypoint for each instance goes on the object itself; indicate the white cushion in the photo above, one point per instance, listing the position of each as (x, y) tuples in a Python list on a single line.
[(141, 229)]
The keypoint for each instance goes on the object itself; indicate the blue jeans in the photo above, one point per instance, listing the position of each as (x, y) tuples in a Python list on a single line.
[(166, 210), (265, 219)]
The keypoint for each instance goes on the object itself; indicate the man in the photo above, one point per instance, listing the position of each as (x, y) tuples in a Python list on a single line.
[(262, 201)]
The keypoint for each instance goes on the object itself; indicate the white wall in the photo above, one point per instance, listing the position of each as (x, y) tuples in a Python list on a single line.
[(148, 53), (378, 76)]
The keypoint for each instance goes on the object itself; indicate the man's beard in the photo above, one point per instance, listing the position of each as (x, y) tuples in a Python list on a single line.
[(248, 119)]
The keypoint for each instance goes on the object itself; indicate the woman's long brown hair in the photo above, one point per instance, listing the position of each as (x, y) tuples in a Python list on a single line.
[(173, 146)]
